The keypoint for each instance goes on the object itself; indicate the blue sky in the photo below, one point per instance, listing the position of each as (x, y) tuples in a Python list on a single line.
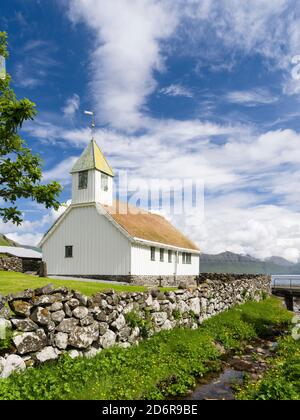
[(181, 89)]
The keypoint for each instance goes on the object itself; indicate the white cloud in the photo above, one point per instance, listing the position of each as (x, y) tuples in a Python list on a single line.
[(251, 97), (128, 51), (31, 239), (176, 90), (30, 232), (36, 59), (71, 106), (61, 172)]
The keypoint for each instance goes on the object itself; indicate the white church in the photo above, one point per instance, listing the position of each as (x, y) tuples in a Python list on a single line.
[(99, 238)]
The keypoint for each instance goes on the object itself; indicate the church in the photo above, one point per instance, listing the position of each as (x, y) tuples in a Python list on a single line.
[(97, 237)]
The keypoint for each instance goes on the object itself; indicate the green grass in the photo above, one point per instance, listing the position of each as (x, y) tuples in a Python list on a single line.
[(282, 381), (11, 282), (164, 366)]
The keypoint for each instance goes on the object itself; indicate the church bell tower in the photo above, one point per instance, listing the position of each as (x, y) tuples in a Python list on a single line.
[(92, 177)]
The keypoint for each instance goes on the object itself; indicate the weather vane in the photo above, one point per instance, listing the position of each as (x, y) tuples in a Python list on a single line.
[(93, 125)]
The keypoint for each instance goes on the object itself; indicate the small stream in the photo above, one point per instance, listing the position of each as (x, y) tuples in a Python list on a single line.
[(219, 388), (252, 362)]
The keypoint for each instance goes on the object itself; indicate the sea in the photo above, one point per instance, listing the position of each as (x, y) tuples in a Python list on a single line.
[(288, 281)]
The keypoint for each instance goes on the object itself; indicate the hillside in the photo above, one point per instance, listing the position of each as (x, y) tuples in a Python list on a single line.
[(4, 241), (228, 262)]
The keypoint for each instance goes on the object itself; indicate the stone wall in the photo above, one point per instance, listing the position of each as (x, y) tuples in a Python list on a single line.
[(19, 264), (11, 264), (48, 321)]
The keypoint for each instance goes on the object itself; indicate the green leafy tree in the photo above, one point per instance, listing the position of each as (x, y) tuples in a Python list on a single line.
[(20, 169)]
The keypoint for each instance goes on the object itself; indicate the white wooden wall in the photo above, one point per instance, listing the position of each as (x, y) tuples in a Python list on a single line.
[(93, 191), (141, 263), (98, 246)]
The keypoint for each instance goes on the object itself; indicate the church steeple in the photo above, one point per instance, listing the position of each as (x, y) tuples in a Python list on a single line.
[(92, 158), (92, 177)]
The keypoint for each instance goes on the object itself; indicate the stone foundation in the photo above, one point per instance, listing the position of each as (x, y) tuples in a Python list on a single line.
[(151, 281), (47, 322)]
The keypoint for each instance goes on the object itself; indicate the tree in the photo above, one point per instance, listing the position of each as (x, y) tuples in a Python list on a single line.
[(20, 169)]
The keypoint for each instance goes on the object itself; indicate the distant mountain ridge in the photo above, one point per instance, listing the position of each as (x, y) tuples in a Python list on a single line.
[(4, 241), (229, 262)]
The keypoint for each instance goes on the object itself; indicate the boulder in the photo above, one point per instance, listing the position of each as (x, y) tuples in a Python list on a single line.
[(80, 312), (88, 320), (102, 317), (61, 290), (61, 340), (182, 307), (83, 337), (124, 333), (167, 325), (41, 316), (5, 313), (26, 294), (119, 323), (75, 353), (13, 363), (51, 326), (108, 339), (29, 342), (57, 316), (195, 305), (67, 310), (67, 325), (20, 307), (73, 303), (159, 318), (56, 306), (155, 306), (43, 300), (25, 325), (45, 290), (149, 300), (82, 299), (103, 327), (48, 353)]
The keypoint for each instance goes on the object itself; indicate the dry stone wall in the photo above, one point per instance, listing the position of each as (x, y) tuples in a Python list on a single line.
[(47, 322), (11, 264)]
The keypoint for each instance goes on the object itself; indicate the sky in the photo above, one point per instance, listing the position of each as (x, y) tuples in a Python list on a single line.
[(185, 89)]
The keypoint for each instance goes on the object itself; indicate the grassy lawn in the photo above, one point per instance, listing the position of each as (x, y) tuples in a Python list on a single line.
[(164, 366), (11, 282)]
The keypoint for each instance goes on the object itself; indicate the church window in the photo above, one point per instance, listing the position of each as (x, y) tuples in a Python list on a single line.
[(68, 251), (82, 180), (104, 182)]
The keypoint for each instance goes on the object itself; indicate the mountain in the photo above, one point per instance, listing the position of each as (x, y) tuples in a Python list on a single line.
[(4, 241), (229, 262), (280, 261)]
